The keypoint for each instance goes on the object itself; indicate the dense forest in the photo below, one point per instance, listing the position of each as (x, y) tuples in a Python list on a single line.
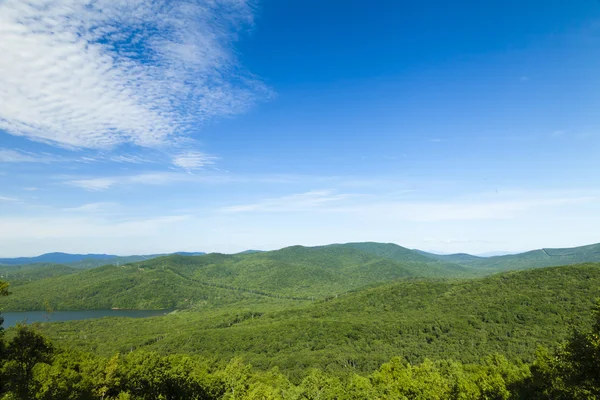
[(353, 321), (31, 367)]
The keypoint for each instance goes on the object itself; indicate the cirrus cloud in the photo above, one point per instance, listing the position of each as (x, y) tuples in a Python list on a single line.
[(99, 73)]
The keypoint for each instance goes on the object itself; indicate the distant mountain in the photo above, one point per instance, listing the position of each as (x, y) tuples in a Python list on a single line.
[(496, 253), (455, 258), (55, 258), (250, 251), (387, 250), (531, 259), (83, 260)]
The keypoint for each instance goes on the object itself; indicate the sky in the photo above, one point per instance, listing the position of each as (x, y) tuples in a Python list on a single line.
[(147, 126)]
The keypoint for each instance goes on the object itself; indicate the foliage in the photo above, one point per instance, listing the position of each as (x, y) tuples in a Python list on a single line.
[(149, 375), (33, 368), (295, 273), (467, 320), (531, 259)]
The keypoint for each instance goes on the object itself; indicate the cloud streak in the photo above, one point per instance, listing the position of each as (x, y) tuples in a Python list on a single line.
[(99, 73), (370, 207), (308, 201), (17, 156)]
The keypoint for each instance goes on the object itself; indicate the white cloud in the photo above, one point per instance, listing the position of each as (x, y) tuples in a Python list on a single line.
[(4, 198), (99, 73), (191, 160), (94, 184)]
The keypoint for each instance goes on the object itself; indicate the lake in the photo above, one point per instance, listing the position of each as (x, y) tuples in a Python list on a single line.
[(12, 318)]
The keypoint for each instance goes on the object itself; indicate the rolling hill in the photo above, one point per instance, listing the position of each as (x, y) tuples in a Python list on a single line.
[(546, 257), (22, 274), (296, 273), (510, 313), (81, 260)]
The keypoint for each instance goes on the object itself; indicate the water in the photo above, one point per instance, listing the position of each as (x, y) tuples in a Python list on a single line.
[(12, 318)]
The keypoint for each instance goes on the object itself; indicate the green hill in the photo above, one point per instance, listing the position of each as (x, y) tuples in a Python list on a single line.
[(110, 286), (530, 259), (294, 273), (538, 258), (299, 271), (510, 313), (459, 258), (176, 281), (22, 274)]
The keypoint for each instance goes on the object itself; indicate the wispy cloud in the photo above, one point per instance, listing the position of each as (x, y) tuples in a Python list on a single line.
[(167, 178), (298, 202), (150, 178), (372, 207), (18, 156), (99, 73), (94, 184), (31, 228), (94, 208), (191, 160), (4, 198)]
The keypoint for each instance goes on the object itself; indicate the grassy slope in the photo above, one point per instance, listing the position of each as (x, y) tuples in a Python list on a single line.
[(509, 313)]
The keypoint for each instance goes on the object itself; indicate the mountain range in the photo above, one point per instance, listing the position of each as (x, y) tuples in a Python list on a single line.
[(83, 260)]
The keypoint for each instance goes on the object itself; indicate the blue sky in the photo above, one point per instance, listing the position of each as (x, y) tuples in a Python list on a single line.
[(159, 126)]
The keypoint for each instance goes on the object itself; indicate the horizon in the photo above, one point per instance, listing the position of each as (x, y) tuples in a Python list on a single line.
[(225, 126), (493, 253)]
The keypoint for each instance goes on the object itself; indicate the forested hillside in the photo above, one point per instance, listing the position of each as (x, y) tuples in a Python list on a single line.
[(22, 274), (510, 314), (346, 310), (33, 367), (531, 259), (295, 273)]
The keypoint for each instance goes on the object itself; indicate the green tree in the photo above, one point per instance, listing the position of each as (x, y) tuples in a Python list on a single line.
[(3, 292), (23, 352), (574, 372)]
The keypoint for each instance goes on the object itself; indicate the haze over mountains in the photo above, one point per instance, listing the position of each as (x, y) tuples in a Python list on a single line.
[(83, 260)]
